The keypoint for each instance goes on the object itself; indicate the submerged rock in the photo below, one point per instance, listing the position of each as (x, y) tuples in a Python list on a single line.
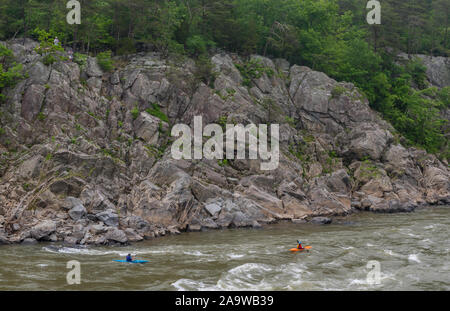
[(321, 220)]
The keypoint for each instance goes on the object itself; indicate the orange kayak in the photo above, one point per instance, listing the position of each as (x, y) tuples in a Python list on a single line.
[(300, 250)]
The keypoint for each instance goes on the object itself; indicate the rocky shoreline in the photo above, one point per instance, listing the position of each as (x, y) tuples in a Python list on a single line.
[(85, 154)]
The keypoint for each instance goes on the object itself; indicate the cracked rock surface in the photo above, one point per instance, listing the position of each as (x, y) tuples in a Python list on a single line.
[(78, 165)]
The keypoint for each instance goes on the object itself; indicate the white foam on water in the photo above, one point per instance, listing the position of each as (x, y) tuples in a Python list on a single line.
[(249, 267), (358, 282), (235, 256), (196, 253), (121, 253), (364, 283), (414, 257), (414, 235), (391, 253), (191, 285), (248, 276)]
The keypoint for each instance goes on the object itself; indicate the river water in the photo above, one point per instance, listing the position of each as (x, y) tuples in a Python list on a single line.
[(411, 251)]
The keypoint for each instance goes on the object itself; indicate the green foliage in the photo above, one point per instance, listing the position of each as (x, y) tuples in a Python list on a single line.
[(41, 116), (125, 46), (418, 72), (291, 121), (253, 70), (50, 51), (80, 59), (135, 112), (444, 97), (337, 91), (155, 151), (204, 71), (198, 45), (49, 60), (10, 72), (156, 112), (223, 163), (104, 61)]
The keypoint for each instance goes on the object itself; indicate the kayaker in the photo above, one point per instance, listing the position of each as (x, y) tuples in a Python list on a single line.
[(299, 245), (129, 258)]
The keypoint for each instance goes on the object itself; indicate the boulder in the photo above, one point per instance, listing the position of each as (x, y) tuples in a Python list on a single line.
[(71, 240), (213, 209), (339, 181), (92, 68), (368, 140), (43, 230), (116, 235), (3, 238), (39, 74), (321, 220), (98, 229), (109, 218), (132, 235), (438, 69), (77, 212), (29, 241), (146, 128)]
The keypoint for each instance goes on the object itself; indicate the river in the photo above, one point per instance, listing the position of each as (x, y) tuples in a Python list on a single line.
[(411, 251)]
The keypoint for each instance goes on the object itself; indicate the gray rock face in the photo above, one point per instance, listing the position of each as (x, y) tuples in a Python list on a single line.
[(109, 217), (32, 101), (366, 140), (92, 68), (84, 157), (146, 128), (39, 73), (213, 209), (116, 235), (77, 212), (438, 70), (43, 230), (3, 238), (71, 202)]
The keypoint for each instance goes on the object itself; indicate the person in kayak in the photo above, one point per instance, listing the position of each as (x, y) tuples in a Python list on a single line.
[(129, 258), (299, 245)]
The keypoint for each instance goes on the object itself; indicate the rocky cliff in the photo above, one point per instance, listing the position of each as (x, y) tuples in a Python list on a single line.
[(85, 155)]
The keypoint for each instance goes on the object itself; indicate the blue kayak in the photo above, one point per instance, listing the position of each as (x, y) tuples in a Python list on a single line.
[(134, 261)]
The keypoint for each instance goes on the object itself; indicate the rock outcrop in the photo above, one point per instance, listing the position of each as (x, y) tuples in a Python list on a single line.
[(79, 165)]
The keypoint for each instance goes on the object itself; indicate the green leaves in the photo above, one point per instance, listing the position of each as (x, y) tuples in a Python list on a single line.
[(253, 70), (10, 72), (104, 61)]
